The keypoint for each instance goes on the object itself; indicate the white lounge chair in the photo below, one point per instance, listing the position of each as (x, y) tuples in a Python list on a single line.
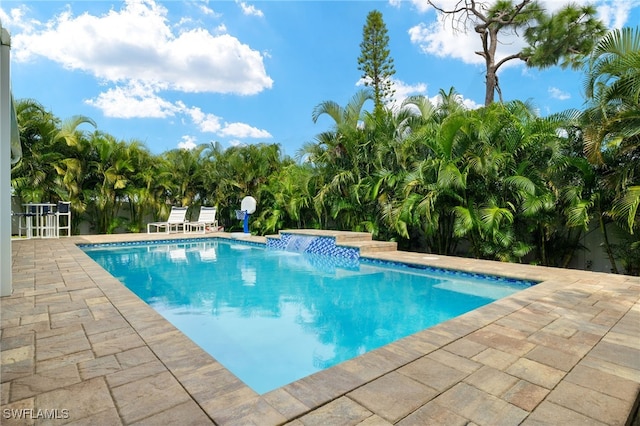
[(177, 219), (206, 219)]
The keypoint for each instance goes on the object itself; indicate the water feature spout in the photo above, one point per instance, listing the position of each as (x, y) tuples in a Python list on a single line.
[(299, 243)]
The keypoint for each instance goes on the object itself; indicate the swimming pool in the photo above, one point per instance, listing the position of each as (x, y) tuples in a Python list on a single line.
[(272, 316)]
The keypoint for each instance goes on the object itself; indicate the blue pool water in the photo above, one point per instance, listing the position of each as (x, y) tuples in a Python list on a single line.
[(272, 317)]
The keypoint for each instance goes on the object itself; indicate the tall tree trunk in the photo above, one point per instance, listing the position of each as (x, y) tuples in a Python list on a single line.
[(491, 83)]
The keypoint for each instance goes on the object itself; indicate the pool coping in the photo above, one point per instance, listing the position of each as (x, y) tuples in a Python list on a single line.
[(566, 349)]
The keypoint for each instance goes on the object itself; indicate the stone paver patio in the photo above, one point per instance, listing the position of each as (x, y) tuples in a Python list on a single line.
[(76, 345)]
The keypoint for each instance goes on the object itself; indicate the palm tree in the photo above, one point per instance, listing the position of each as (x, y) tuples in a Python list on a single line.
[(111, 169), (54, 156), (612, 121), (342, 156)]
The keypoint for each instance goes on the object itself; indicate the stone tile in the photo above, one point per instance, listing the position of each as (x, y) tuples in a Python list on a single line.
[(505, 330), (623, 339), (207, 382), (98, 367), (30, 319), (435, 336), (368, 366), (16, 354), (111, 342), (343, 411), (106, 417), (403, 353), (495, 358), (19, 413), (586, 338), (433, 373), (618, 354), (501, 342), (81, 400), (185, 414), (465, 348), (237, 402), (88, 296), (551, 414), (525, 395), (103, 311), (536, 373), (433, 414), (21, 340), (611, 368), (61, 361), (60, 345), (132, 374), (45, 381), (62, 332), (53, 299), (10, 322), (492, 381), (374, 421), (559, 343), (67, 308), (418, 345), (12, 331), (392, 396), (454, 361), (603, 382), (103, 325), (334, 381), (553, 358), (4, 392), (133, 357), (514, 322), (480, 407), (148, 396), (70, 317), (285, 403), (608, 318), (596, 405), (15, 370)]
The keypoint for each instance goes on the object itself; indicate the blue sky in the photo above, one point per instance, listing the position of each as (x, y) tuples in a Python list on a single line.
[(180, 73)]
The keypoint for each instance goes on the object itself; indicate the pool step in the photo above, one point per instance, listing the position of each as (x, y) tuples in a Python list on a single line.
[(372, 246)]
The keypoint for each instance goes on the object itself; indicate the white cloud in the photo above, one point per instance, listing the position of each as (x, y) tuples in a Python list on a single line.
[(404, 90), (136, 43), (187, 142), (615, 15), (207, 10), (249, 9), (440, 39), (133, 100), (421, 5), (135, 51), (556, 93), (242, 130), (137, 100), (210, 123)]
